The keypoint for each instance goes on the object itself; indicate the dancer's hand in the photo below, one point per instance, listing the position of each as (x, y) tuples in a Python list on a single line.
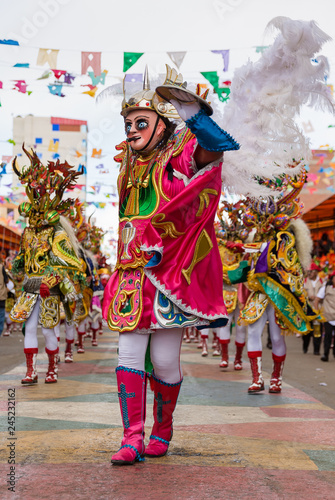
[(186, 104), (44, 291), (235, 247)]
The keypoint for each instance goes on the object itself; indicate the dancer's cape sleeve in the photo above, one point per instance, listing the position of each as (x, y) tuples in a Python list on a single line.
[(185, 263)]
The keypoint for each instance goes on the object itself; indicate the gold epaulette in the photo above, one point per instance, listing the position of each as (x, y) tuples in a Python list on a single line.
[(123, 148), (182, 137), (252, 246)]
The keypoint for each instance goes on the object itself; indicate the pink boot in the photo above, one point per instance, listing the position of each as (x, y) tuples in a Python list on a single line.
[(31, 375), (166, 396), (132, 392)]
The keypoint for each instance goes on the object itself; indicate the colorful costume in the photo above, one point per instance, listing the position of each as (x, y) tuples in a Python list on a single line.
[(234, 295), (276, 280), (89, 238), (167, 247), (53, 270)]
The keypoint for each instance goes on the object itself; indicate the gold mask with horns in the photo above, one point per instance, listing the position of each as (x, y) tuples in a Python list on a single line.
[(45, 187)]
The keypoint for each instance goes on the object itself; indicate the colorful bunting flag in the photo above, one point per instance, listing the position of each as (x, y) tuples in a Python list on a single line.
[(261, 48), (21, 65), (53, 145), (68, 78), (56, 89), (45, 75), (91, 60), (177, 57), (92, 90), (47, 56), (21, 86), (133, 77), (58, 73), (225, 57), (82, 169), (213, 78), (130, 58), (9, 42), (96, 153), (99, 78), (308, 127)]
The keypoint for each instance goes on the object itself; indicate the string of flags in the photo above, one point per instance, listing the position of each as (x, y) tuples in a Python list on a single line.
[(91, 66)]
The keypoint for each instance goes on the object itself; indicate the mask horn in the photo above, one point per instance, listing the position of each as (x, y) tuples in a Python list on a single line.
[(18, 173), (146, 83)]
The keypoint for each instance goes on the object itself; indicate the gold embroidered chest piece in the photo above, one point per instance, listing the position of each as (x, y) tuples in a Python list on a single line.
[(36, 245)]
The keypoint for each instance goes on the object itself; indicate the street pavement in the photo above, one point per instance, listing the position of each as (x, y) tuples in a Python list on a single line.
[(226, 443)]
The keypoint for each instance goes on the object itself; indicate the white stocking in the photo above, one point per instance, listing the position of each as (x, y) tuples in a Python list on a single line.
[(277, 339), (255, 333), (165, 354), (82, 326), (164, 349), (69, 331), (30, 335), (51, 341)]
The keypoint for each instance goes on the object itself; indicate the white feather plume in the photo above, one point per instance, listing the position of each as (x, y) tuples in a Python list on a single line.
[(266, 97), (66, 225), (303, 242)]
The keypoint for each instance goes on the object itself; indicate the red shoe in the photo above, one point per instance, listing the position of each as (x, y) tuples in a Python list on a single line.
[(204, 346), (80, 348), (52, 373), (277, 372), (94, 340), (31, 358), (224, 354), (238, 356), (257, 377), (68, 352)]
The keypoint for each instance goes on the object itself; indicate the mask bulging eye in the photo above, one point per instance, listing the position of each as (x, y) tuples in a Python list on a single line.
[(128, 128), (141, 124)]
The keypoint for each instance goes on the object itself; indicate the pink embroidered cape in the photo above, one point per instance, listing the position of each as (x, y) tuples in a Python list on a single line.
[(169, 271)]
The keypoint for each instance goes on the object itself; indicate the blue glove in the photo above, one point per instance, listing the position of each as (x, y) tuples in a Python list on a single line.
[(209, 135)]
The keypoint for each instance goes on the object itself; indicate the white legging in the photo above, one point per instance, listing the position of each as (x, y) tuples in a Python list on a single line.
[(69, 331), (30, 336), (224, 331), (255, 333), (82, 326), (164, 350)]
